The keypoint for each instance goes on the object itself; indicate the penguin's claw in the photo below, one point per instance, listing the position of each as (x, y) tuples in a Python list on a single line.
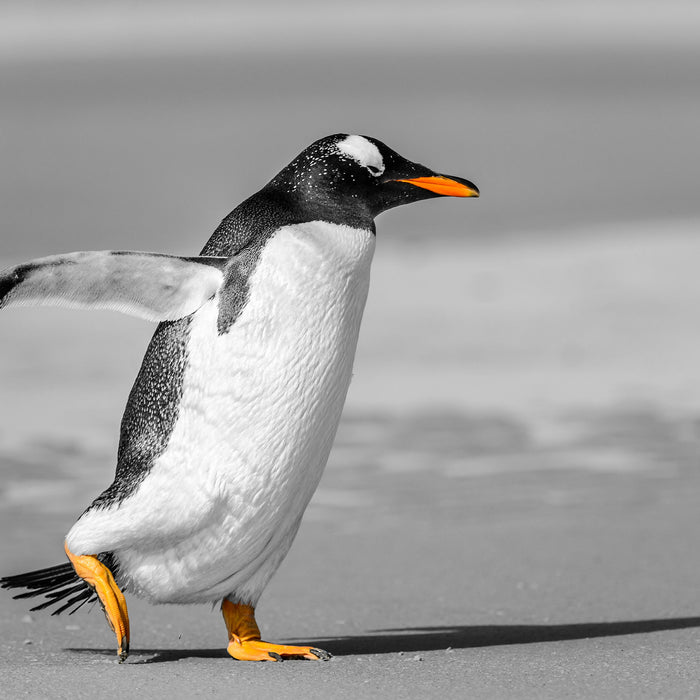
[(321, 654), (244, 641), (99, 577), (123, 650)]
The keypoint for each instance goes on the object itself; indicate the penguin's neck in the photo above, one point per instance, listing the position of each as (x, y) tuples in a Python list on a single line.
[(257, 218)]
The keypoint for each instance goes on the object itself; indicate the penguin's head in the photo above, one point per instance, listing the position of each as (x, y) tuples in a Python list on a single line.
[(362, 177)]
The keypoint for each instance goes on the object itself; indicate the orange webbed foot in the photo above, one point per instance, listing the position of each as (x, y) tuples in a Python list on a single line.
[(245, 643), (99, 577), (257, 650)]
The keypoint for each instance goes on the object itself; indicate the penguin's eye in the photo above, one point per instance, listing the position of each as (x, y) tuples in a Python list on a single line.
[(374, 171)]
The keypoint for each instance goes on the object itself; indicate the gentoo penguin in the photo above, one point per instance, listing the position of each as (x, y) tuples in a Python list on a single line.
[(231, 418)]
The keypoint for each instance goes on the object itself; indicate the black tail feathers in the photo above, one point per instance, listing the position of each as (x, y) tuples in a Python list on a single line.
[(56, 584)]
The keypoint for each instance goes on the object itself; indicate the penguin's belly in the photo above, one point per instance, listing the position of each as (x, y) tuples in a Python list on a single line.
[(260, 406)]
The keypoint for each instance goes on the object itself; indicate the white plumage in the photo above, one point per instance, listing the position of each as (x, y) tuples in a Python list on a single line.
[(260, 407), (363, 152)]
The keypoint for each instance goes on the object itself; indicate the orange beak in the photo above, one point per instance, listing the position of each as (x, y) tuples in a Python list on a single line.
[(447, 186)]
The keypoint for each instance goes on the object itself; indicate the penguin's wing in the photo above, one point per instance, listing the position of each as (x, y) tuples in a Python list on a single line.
[(152, 286)]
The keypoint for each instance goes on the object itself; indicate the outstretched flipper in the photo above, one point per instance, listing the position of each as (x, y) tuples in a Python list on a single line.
[(151, 286)]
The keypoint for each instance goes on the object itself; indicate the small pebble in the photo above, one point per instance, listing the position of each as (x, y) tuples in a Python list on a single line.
[(417, 657), (400, 653), (27, 641)]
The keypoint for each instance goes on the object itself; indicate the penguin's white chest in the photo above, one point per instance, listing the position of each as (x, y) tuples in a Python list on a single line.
[(260, 407), (262, 401)]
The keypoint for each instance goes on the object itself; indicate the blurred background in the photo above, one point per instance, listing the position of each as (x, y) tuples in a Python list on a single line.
[(535, 349)]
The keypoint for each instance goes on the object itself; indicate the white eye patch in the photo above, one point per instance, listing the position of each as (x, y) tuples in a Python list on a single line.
[(363, 152)]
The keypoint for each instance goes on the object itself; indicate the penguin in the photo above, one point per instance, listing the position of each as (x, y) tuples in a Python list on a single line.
[(232, 415)]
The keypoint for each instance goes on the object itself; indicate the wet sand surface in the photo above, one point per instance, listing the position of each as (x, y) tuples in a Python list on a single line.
[(510, 510)]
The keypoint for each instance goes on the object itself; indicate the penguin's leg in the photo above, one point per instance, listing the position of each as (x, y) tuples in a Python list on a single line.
[(99, 577), (244, 638)]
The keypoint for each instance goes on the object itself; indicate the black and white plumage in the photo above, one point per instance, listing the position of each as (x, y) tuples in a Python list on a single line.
[(232, 416)]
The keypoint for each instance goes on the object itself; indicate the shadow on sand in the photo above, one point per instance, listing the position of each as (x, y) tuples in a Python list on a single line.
[(416, 639)]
